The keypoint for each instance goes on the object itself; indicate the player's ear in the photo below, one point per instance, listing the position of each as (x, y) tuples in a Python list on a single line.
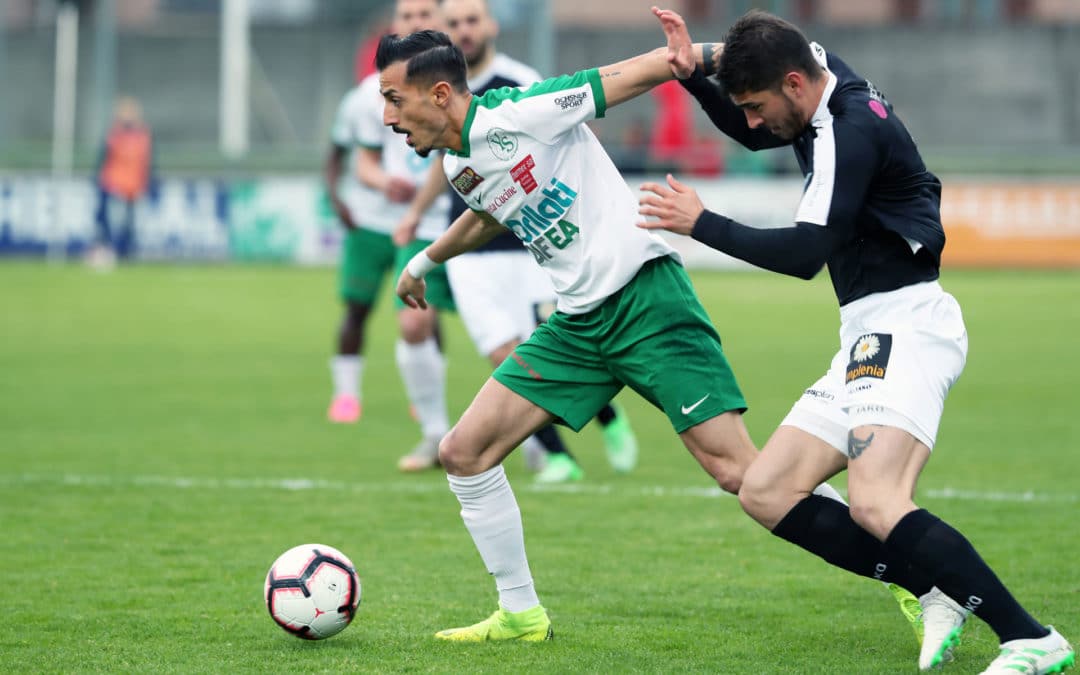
[(440, 93), (793, 83)]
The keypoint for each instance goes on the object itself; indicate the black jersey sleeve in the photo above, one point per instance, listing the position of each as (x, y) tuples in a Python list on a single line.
[(798, 251), (728, 117)]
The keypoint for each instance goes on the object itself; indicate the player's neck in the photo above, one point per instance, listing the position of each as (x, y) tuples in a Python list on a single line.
[(457, 114)]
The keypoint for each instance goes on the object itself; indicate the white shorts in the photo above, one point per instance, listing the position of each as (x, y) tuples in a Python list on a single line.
[(900, 353), (497, 294)]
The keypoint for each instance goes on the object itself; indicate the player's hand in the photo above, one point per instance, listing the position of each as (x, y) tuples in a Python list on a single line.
[(411, 290), (675, 206), (680, 50), (343, 213), (399, 190), (405, 230)]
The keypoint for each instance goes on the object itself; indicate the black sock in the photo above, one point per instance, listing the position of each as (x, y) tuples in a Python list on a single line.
[(606, 415), (956, 568), (551, 441), (824, 527)]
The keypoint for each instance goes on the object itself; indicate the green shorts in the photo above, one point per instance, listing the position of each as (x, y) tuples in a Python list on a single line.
[(652, 335), (438, 292), (366, 257)]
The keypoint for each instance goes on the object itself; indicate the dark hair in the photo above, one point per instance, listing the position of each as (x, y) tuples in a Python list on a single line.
[(759, 50), (429, 55)]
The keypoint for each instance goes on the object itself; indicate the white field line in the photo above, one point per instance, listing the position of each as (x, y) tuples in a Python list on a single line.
[(423, 486)]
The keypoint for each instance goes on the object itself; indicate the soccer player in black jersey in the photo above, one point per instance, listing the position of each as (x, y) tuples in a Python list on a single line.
[(870, 212)]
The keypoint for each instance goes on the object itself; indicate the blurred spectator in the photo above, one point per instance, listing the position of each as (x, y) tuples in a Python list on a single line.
[(631, 154), (124, 176), (674, 145), (364, 62)]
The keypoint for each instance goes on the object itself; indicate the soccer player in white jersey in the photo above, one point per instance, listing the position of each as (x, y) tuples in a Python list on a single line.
[(626, 311), (367, 254), (386, 165), (499, 293)]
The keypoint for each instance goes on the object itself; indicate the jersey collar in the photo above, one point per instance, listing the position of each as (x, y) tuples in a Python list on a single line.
[(466, 128)]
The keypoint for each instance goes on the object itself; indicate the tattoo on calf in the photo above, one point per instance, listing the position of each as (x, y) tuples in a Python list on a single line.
[(708, 57), (857, 446)]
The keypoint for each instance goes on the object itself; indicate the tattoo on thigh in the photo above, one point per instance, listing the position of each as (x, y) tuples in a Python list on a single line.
[(857, 446)]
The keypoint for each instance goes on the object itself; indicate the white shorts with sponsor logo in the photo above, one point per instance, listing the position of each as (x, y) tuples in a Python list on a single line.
[(497, 294), (900, 353)]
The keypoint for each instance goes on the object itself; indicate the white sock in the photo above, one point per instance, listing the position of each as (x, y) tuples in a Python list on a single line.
[(423, 370), (492, 516), (829, 492), (346, 372)]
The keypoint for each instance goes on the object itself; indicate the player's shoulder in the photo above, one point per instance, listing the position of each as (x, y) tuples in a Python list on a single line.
[(857, 103), (585, 82)]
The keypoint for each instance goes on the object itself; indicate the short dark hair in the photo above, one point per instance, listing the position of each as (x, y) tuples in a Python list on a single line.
[(430, 57), (759, 50)]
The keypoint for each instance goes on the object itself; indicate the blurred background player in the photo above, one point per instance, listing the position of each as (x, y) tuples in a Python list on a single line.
[(500, 293), (367, 254), (124, 176), (387, 164), (369, 199)]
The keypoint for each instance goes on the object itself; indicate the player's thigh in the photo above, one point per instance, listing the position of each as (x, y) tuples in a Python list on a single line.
[(560, 371), (663, 345), (438, 293), (491, 298), (366, 257), (496, 422), (722, 446), (882, 475)]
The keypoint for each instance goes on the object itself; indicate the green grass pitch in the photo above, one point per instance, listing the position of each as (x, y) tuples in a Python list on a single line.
[(163, 438)]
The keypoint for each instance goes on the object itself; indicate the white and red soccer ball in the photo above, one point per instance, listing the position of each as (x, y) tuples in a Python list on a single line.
[(312, 591)]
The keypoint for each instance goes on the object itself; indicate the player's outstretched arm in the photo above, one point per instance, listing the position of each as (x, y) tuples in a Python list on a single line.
[(470, 230)]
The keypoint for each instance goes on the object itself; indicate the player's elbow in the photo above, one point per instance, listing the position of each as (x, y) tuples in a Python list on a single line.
[(808, 271)]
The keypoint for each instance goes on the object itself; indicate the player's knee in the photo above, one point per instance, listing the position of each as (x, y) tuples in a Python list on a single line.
[(757, 497), (458, 455), (871, 515), (728, 475)]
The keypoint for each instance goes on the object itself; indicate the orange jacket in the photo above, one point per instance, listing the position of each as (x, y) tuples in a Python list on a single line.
[(125, 166)]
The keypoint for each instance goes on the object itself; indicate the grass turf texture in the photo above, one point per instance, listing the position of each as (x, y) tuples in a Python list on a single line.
[(157, 425)]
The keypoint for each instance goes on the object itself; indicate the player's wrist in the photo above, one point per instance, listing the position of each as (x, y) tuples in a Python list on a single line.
[(420, 264)]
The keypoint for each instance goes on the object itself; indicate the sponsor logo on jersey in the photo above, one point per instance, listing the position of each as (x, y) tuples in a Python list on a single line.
[(497, 203), (466, 181), (870, 357), (502, 143), (819, 393), (570, 101), (541, 227), (522, 174)]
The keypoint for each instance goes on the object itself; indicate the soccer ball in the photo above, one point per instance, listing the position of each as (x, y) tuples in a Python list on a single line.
[(312, 591)]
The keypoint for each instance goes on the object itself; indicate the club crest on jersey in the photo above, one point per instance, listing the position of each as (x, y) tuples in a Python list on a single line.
[(466, 181), (502, 143), (870, 357), (522, 174)]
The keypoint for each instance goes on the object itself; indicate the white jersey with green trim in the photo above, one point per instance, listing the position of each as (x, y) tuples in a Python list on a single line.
[(361, 200), (398, 159), (529, 160)]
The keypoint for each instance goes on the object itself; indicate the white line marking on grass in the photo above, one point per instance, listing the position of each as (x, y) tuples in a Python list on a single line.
[(425, 487)]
